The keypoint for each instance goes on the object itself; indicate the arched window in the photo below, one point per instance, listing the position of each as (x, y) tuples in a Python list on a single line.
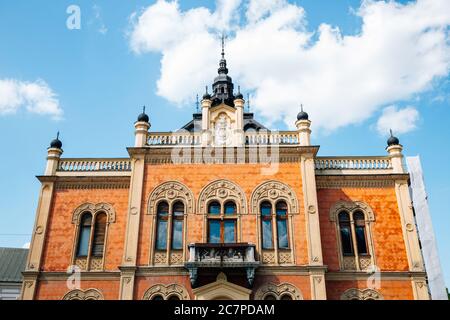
[(266, 225), (161, 229), (98, 244), (84, 235), (157, 297), (270, 297), (222, 222), (360, 232), (286, 297), (346, 233), (173, 297), (177, 225), (282, 230)]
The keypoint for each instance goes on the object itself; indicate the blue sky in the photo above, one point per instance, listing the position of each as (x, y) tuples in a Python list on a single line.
[(100, 81)]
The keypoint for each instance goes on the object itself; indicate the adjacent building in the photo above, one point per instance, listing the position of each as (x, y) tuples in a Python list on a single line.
[(12, 263)]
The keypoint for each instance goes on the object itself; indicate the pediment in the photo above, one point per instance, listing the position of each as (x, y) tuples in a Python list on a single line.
[(221, 289)]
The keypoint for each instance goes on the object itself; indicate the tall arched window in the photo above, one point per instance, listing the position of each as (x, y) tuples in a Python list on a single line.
[(353, 225), (177, 225), (222, 222), (84, 235), (266, 225), (282, 230), (346, 233), (161, 229), (360, 232), (98, 244)]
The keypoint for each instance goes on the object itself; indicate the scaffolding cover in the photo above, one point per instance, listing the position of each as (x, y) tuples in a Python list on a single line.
[(425, 230)]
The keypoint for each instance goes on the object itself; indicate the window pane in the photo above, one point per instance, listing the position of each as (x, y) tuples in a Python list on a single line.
[(267, 234), (177, 235), (214, 208), (282, 234), (85, 234), (346, 240), (214, 231), (173, 297), (157, 297), (163, 209), (343, 217), (83, 243), (286, 297), (178, 209), (161, 237), (281, 208), (266, 208), (230, 228), (270, 297), (361, 240), (230, 208), (99, 235)]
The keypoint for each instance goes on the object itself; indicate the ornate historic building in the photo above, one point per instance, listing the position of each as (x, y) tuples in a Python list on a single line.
[(225, 209)]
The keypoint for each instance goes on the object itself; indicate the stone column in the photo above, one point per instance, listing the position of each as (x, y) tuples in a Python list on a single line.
[(141, 133), (133, 222), (206, 104), (395, 153), (40, 225), (304, 131), (239, 136)]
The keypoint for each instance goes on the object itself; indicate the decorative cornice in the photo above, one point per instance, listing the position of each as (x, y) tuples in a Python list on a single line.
[(78, 182), (359, 181), (85, 275), (363, 275)]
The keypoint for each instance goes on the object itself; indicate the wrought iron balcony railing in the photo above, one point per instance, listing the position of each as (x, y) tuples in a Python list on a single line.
[(222, 255)]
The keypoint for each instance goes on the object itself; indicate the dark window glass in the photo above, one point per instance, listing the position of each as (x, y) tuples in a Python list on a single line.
[(346, 234), (360, 232), (229, 231), (177, 226), (282, 234), (214, 208), (230, 208), (267, 234), (266, 208), (157, 297), (281, 208), (214, 231), (99, 235), (270, 297), (85, 234), (286, 297), (161, 233), (173, 297)]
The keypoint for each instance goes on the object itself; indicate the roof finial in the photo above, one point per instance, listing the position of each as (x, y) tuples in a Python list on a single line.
[(223, 45), (197, 103), (143, 109), (248, 102), (57, 135), (301, 107), (390, 130)]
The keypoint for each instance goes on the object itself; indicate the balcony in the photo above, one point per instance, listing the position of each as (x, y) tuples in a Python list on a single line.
[(222, 255)]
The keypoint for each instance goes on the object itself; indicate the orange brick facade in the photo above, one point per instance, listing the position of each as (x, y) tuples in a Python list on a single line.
[(335, 227)]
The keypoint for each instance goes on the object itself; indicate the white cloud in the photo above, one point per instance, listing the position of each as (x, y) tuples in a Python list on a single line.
[(98, 19), (341, 79), (36, 97), (399, 120), (26, 246)]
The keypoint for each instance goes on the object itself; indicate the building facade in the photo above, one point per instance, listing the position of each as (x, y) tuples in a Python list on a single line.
[(225, 209)]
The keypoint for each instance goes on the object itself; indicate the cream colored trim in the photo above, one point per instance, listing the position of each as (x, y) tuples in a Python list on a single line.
[(222, 191), (361, 294), (221, 289), (38, 238), (408, 226), (171, 191), (88, 294), (369, 217), (420, 289), (278, 291), (274, 191), (317, 283), (166, 292)]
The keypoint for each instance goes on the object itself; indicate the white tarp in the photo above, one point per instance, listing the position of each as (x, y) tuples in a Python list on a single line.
[(425, 229)]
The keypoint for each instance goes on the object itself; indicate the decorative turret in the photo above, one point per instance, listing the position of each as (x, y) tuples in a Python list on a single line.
[(395, 149), (54, 153), (223, 84), (142, 125), (303, 125)]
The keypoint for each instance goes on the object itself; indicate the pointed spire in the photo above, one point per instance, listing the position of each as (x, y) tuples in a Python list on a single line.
[(196, 103), (206, 96), (248, 102), (223, 63), (223, 45)]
